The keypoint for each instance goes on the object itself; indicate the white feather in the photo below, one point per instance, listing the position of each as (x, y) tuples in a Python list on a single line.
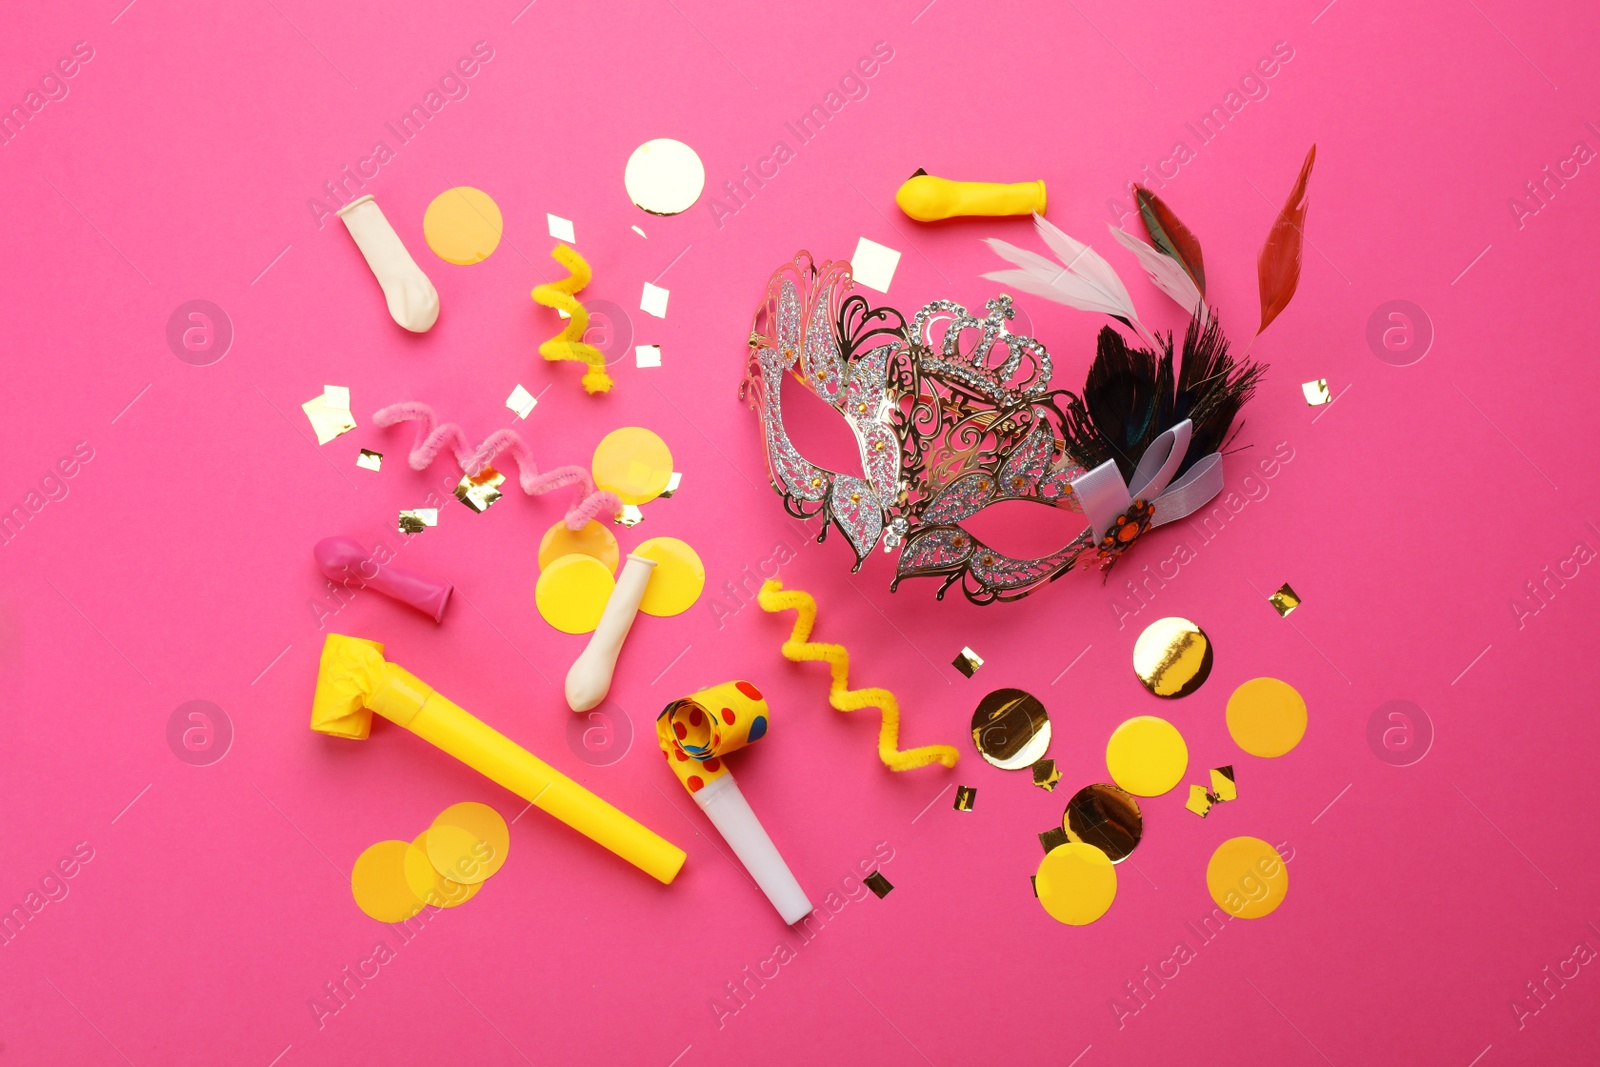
[(1167, 274), (1082, 279)]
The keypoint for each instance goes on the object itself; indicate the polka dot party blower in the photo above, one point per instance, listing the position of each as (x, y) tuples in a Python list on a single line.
[(354, 680), (697, 733)]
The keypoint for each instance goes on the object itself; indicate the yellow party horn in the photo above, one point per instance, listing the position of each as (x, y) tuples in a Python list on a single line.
[(697, 732), (354, 680), (929, 199)]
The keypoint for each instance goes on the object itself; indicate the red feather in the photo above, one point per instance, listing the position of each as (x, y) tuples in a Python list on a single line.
[(1170, 235), (1279, 264)]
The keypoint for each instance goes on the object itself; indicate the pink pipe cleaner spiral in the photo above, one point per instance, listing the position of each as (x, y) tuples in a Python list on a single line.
[(432, 438)]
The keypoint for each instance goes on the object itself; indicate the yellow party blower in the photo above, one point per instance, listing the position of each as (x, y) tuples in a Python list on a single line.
[(354, 680), (929, 199)]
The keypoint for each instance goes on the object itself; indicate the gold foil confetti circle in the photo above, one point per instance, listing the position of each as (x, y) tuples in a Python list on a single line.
[(664, 177), (1172, 657), (1076, 883), (1266, 717), (1284, 600), (633, 462), (463, 225), (878, 884), (1011, 729), (677, 580), (1107, 818), (571, 593), (378, 883), (590, 539), (1046, 774), (468, 842), (1247, 877), (479, 491), (967, 662), (965, 796), (428, 885), (1147, 756)]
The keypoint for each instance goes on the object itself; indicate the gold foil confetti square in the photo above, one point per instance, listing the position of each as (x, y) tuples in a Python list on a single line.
[(630, 516), (878, 884), (874, 265), (369, 460), (479, 492), (1316, 392), (647, 356), (416, 520), (561, 229), (654, 300), (1046, 775), (521, 401), (1285, 600), (1053, 838), (1199, 800), (675, 480), (1222, 785), (965, 795), (1033, 881), (330, 413), (967, 661)]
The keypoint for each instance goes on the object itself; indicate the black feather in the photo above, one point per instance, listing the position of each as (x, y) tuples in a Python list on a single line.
[(1212, 387), (1128, 394)]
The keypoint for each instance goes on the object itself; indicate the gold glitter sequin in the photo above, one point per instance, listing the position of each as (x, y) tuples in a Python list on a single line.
[(1285, 599), (1172, 657), (1053, 838), (1046, 775), (965, 795), (330, 413), (416, 520), (1011, 729), (967, 662), (1107, 818), (479, 491)]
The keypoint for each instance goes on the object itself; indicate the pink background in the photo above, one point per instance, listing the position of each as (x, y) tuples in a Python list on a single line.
[(1411, 517)]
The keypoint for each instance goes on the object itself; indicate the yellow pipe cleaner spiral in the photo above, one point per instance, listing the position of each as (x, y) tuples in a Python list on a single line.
[(569, 343), (800, 648)]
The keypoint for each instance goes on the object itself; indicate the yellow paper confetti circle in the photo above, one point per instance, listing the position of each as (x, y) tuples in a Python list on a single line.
[(1247, 877), (468, 842), (572, 593), (1266, 717), (463, 225), (1076, 883), (1147, 756), (427, 884), (591, 539), (378, 882), (676, 582), (634, 463)]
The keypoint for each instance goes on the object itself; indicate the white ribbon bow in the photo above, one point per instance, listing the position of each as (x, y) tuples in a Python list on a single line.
[(1104, 496)]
